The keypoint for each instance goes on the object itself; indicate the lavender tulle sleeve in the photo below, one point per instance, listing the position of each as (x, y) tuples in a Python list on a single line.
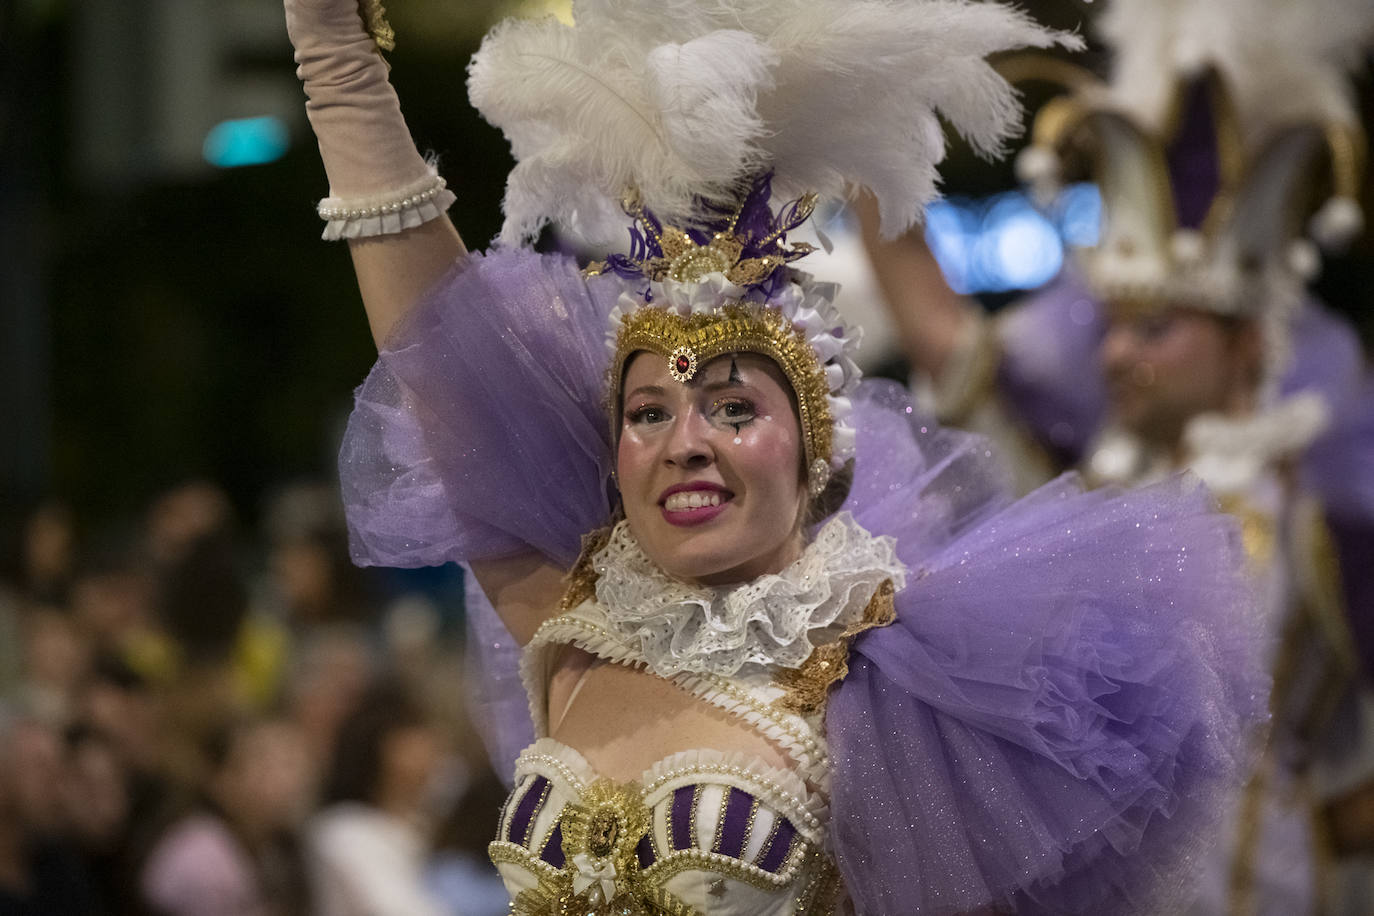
[(479, 432), (1060, 708)]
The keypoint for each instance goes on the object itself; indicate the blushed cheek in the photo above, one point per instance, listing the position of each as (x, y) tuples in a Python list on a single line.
[(773, 452), (626, 457)]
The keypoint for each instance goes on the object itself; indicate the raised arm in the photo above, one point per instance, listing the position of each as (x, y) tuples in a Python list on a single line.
[(933, 321), (384, 198), (390, 206)]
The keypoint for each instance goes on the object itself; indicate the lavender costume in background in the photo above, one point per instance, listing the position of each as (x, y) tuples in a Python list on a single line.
[(1292, 455), (1049, 723)]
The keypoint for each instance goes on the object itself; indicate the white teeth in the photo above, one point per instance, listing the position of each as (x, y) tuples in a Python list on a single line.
[(691, 499)]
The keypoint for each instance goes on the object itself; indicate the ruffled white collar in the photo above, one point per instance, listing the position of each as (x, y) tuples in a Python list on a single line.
[(681, 627), (1229, 453)]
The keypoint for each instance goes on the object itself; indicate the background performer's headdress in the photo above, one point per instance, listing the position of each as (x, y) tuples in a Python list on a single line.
[(1224, 144)]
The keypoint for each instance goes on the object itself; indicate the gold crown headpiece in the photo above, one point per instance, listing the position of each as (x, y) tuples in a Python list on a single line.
[(727, 290)]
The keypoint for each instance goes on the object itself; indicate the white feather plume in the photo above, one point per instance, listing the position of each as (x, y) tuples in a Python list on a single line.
[(688, 100), (1284, 60)]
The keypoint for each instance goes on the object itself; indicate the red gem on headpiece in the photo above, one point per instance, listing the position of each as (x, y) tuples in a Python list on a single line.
[(682, 364)]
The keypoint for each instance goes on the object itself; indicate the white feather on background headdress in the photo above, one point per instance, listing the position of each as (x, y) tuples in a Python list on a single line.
[(687, 101), (1284, 60)]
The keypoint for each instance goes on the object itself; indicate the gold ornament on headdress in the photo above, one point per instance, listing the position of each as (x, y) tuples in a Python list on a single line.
[(686, 261), (688, 341)]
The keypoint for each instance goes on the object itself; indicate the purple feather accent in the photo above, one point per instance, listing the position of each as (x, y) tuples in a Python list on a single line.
[(761, 231)]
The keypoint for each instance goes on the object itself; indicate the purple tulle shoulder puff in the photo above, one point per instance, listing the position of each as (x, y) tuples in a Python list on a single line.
[(1061, 706)]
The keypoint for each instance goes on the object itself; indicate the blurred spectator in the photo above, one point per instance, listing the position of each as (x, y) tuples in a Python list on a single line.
[(202, 601), (97, 804), (460, 871), (112, 598), (234, 852), (49, 550), (40, 873), (309, 559), (55, 658), (371, 841), (329, 673), (184, 515), (121, 704), (122, 791)]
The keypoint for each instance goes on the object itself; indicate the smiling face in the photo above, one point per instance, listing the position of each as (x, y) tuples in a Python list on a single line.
[(710, 470), (1164, 369)]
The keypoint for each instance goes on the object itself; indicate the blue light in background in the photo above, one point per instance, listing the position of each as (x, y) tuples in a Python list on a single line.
[(1079, 211), (950, 232), (1005, 242), (246, 141)]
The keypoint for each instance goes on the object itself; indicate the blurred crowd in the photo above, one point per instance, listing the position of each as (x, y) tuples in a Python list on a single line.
[(199, 717)]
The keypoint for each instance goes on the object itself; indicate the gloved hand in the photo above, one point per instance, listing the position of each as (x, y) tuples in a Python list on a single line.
[(378, 181)]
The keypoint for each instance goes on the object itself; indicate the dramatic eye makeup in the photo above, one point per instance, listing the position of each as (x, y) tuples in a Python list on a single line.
[(734, 411), (646, 414)]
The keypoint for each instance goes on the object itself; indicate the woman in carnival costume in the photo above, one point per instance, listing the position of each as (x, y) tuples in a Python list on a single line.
[(787, 647)]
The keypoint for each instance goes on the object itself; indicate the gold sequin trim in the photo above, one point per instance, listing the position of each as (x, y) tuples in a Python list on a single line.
[(692, 817), (824, 892), (534, 815), (749, 824), (606, 825), (806, 687), (720, 818)]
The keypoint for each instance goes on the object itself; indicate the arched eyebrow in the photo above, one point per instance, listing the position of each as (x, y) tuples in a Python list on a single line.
[(649, 390)]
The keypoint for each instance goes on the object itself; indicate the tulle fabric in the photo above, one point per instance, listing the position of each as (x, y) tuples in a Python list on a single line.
[(1051, 718), (480, 431), (1062, 704)]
